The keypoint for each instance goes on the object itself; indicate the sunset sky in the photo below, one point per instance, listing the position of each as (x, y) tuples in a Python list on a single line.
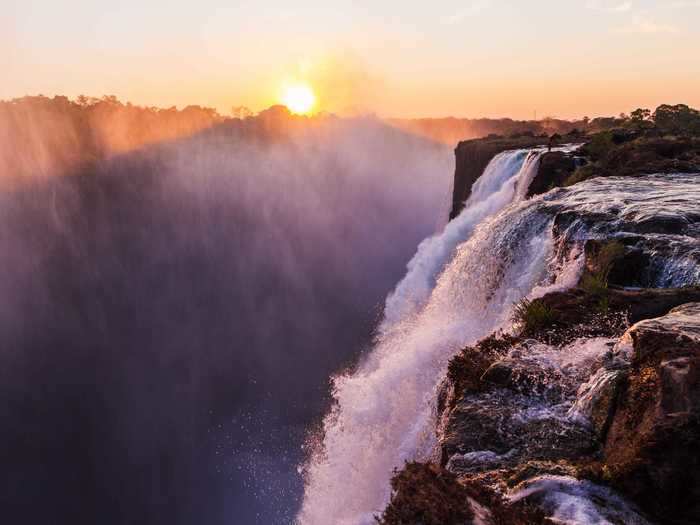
[(466, 58)]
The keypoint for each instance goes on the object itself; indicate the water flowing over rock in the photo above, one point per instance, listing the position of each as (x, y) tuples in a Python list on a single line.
[(472, 158), (512, 409), (505, 180), (385, 412)]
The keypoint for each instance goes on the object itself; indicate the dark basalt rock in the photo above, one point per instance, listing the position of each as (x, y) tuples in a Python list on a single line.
[(472, 157), (494, 423), (575, 305), (554, 168), (489, 438), (519, 375), (651, 451), (427, 494)]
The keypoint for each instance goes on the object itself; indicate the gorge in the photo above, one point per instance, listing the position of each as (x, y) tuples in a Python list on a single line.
[(179, 289)]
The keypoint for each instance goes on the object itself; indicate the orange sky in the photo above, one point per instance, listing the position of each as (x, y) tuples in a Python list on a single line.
[(464, 58)]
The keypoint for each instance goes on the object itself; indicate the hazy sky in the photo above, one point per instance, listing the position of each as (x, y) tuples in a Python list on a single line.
[(397, 58)]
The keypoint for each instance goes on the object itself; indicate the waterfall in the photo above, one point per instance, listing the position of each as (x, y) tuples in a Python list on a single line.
[(459, 287), (505, 180)]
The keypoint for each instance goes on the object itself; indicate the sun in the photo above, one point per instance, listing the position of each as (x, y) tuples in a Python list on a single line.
[(299, 98)]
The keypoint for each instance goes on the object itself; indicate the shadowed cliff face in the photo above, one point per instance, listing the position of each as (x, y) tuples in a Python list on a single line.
[(169, 321), (472, 157)]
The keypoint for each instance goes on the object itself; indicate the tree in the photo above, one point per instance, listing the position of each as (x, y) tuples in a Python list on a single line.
[(639, 119), (241, 112), (679, 119), (640, 115)]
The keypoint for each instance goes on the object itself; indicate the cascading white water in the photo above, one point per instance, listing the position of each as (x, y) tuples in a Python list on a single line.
[(505, 180), (454, 293), (460, 287)]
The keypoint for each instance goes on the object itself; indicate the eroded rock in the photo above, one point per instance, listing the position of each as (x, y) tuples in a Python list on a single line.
[(651, 450)]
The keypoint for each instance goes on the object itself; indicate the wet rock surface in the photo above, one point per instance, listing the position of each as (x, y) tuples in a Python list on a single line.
[(534, 427), (590, 413), (472, 156), (656, 219), (651, 450), (532, 419), (555, 167)]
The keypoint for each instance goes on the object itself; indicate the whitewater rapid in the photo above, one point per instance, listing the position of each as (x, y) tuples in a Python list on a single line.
[(460, 286)]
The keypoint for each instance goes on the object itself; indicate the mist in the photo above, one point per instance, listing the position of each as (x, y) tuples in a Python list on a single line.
[(170, 315)]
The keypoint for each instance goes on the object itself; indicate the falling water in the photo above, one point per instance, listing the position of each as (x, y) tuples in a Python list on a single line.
[(505, 179), (459, 287)]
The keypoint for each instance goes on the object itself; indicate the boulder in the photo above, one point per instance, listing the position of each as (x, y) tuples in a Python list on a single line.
[(427, 494), (597, 398), (555, 167), (651, 448)]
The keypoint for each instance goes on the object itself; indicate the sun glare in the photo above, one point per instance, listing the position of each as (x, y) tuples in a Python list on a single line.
[(299, 98)]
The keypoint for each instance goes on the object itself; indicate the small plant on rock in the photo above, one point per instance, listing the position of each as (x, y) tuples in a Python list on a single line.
[(595, 282), (582, 173), (532, 316)]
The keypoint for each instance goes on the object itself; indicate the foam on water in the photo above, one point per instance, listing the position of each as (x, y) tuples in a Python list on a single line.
[(461, 286), (505, 180), (570, 501), (385, 411)]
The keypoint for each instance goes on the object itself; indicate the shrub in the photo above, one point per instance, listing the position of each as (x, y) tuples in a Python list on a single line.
[(608, 255), (600, 145), (582, 173), (532, 316), (595, 282)]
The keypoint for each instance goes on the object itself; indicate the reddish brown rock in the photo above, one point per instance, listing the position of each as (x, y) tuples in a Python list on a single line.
[(427, 494), (651, 451)]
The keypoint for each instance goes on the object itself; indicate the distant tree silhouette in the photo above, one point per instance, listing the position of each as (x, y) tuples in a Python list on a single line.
[(640, 115), (45, 136), (679, 119), (241, 112)]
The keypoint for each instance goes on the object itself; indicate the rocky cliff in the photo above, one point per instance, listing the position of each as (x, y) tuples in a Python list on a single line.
[(472, 156), (588, 410), (576, 404), (605, 154)]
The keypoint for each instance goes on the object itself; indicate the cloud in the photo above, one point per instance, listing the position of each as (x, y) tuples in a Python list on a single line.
[(647, 26), (609, 6), (470, 9)]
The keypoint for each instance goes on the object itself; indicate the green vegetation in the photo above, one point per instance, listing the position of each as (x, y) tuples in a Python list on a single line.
[(532, 316), (595, 282), (679, 119), (610, 253), (666, 140), (582, 173), (600, 145)]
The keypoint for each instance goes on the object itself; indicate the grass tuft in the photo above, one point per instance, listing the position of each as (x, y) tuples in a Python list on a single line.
[(596, 282), (532, 316)]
